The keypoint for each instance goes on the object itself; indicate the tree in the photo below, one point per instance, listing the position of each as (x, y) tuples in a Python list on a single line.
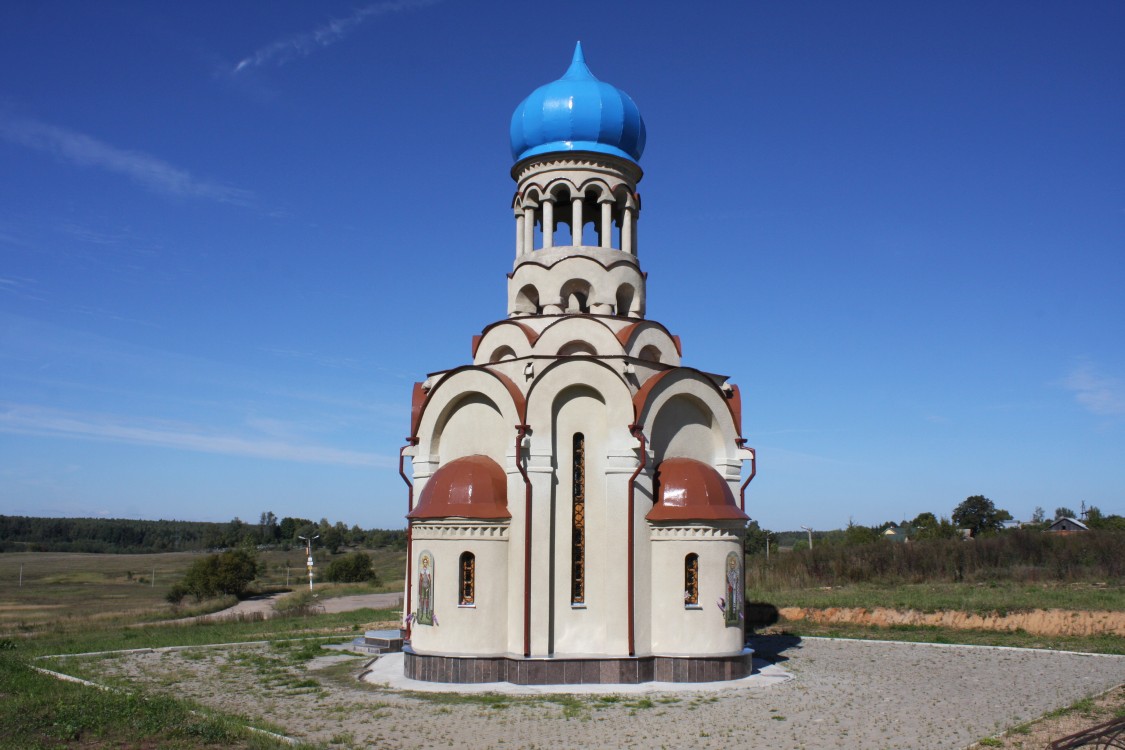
[(228, 573), (1038, 515), (924, 519), (351, 568), (755, 540), (1064, 512), (855, 534), (268, 529), (942, 529), (978, 514)]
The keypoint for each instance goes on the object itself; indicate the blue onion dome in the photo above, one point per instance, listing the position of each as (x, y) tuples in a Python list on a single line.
[(578, 113)]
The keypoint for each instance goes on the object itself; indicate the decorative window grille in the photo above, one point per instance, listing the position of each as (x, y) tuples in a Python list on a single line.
[(578, 523), (691, 580), (468, 576)]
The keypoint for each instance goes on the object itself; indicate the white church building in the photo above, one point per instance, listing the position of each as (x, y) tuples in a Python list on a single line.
[(577, 505)]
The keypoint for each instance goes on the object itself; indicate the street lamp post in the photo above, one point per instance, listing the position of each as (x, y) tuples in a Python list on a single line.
[(806, 528), (308, 551)]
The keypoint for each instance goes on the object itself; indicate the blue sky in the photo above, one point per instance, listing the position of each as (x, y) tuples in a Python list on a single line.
[(233, 234)]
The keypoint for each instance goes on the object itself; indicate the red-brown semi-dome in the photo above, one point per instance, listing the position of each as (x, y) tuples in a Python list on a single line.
[(469, 487), (690, 490)]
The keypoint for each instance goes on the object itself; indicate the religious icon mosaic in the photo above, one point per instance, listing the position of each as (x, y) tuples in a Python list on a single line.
[(732, 604), (425, 612)]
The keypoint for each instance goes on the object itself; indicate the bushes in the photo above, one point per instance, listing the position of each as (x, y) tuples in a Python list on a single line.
[(298, 604), (1021, 556), (351, 568), (228, 573)]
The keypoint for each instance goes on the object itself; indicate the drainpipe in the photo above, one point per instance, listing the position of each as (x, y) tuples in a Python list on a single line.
[(636, 431), (410, 442), (753, 470), (521, 433)]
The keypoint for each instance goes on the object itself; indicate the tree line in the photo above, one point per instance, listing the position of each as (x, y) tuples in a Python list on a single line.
[(975, 517), (121, 535)]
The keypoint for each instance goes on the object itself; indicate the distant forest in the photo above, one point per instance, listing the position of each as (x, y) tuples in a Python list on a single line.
[(122, 535)]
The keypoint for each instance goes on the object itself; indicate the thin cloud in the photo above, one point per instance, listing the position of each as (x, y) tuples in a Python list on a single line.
[(304, 44), (1097, 393), (26, 419), (147, 170)]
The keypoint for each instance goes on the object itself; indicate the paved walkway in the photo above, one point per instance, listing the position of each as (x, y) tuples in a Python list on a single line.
[(822, 695)]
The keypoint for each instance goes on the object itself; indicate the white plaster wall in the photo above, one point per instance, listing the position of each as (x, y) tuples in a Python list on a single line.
[(702, 398), (582, 629), (480, 629), (684, 428), (652, 335), (601, 408), (550, 270), (579, 328), (473, 427), (676, 629)]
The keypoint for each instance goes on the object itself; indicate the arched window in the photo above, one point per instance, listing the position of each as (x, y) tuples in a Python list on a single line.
[(502, 353), (691, 580), (468, 579), (578, 523)]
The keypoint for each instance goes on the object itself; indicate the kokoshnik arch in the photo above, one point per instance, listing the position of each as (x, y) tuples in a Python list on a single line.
[(572, 515)]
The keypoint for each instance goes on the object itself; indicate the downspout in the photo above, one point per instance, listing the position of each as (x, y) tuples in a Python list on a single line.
[(636, 431), (753, 470), (410, 442), (521, 433)]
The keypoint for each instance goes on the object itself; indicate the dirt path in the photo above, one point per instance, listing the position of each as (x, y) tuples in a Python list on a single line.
[(1037, 622), (263, 606)]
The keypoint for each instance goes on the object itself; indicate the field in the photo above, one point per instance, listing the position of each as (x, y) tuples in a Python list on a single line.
[(198, 697), (68, 588)]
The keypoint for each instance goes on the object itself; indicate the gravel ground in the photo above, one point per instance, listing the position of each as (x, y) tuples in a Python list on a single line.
[(844, 695)]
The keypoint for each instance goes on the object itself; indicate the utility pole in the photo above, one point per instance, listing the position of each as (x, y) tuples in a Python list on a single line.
[(806, 528), (308, 550), (768, 535)]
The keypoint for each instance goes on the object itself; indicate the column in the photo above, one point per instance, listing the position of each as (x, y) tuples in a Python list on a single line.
[(528, 229), (607, 224), (576, 221), (519, 233), (627, 229), (548, 223)]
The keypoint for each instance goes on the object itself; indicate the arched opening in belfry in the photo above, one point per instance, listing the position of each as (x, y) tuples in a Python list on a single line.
[(560, 210), (527, 301), (576, 296), (625, 295), (590, 233)]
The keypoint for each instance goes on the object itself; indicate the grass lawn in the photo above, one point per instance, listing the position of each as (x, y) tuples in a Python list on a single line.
[(67, 588), (40, 711), (1093, 644), (963, 597)]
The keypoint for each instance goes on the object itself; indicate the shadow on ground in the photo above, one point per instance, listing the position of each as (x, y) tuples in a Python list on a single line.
[(771, 646)]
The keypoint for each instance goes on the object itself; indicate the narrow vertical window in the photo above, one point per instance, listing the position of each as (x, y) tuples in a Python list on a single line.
[(691, 580), (468, 576), (578, 523)]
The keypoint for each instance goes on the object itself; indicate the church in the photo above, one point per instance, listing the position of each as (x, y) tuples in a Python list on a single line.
[(576, 510)]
